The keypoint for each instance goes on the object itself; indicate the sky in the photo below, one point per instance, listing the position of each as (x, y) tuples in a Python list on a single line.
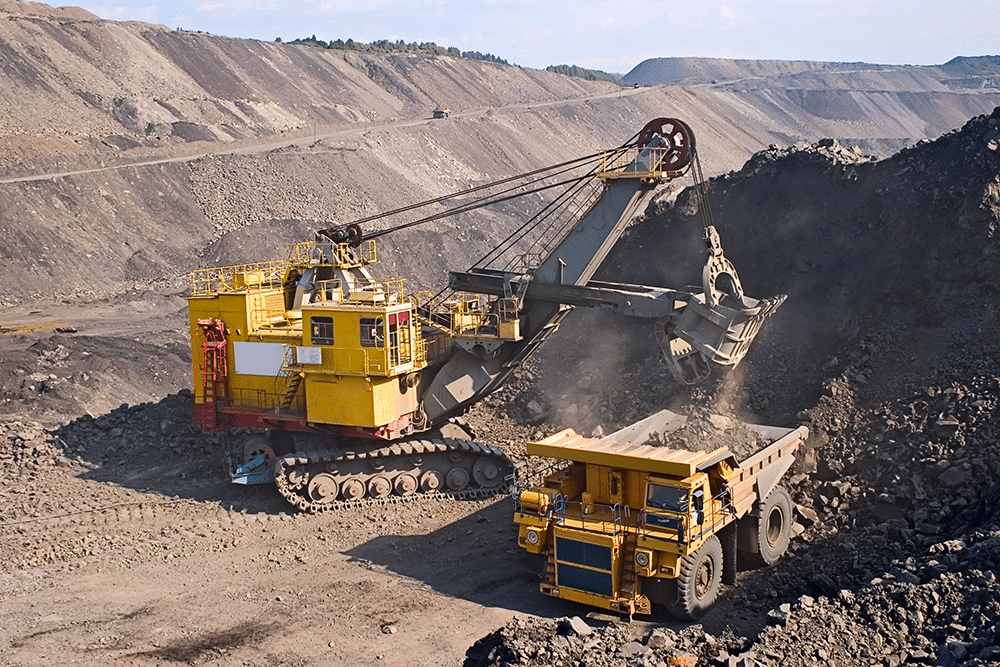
[(610, 35)]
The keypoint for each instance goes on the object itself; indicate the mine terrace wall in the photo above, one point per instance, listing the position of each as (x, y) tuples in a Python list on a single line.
[(132, 153)]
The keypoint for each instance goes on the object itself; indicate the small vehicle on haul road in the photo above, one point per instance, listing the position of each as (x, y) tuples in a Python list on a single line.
[(630, 522)]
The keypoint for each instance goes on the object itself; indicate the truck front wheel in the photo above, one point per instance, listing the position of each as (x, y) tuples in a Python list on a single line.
[(698, 580)]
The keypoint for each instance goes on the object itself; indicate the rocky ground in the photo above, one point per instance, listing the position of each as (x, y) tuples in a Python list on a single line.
[(121, 541), (129, 175)]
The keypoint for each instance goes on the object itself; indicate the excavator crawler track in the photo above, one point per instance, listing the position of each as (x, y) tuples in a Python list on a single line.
[(334, 479)]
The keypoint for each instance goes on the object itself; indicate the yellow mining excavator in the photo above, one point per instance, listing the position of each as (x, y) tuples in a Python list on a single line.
[(350, 380)]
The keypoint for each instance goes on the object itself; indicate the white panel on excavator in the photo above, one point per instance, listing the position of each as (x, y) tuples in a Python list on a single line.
[(259, 358)]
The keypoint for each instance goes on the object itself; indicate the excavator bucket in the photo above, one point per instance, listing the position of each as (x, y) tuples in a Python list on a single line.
[(698, 336), (716, 326)]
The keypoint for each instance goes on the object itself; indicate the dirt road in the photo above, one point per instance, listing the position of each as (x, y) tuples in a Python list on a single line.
[(125, 544), (248, 147)]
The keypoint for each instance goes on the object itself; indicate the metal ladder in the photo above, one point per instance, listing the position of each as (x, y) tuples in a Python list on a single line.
[(214, 371), (627, 576), (289, 398)]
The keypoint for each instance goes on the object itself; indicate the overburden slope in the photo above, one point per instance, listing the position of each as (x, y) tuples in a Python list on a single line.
[(132, 153)]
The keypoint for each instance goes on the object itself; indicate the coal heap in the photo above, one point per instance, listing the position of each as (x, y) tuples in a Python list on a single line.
[(887, 350)]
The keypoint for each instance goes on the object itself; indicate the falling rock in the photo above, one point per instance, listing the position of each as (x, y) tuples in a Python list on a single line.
[(829, 470), (807, 515), (720, 422), (536, 411)]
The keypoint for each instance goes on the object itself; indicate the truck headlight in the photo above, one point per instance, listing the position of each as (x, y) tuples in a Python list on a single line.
[(531, 537), (641, 558)]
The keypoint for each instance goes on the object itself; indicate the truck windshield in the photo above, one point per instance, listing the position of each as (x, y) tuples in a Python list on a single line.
[(667, 498)]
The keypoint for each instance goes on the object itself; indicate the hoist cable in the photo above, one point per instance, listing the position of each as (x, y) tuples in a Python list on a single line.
[(503, 181)]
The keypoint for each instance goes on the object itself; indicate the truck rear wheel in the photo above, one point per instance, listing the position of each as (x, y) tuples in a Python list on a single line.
[(698, 581), (771, 530)]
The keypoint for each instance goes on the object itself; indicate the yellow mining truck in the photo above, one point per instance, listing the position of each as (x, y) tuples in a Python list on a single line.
[(629, 522)]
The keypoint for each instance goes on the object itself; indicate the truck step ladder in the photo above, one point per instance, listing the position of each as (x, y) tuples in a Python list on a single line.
[(550, 565), (626, 578)]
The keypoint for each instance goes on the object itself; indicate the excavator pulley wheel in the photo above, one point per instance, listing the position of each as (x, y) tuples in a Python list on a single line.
[(679, 137), (348, 234)]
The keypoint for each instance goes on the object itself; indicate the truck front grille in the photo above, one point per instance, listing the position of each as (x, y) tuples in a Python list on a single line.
[(583, 553), (591, 581), (584, 566)]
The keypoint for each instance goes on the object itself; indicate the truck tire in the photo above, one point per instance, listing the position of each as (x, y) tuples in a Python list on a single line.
[(698, 581), (771, 529)]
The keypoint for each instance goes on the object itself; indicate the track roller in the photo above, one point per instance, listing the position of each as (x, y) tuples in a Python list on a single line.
[(322, 480)]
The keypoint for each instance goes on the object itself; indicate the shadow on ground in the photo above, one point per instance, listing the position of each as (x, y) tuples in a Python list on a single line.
[(156, 448), (477, 559)]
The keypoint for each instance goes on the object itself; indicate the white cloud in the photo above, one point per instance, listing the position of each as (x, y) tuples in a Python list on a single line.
[(238, 6), (335, 7), (146, 14), (609, 34)]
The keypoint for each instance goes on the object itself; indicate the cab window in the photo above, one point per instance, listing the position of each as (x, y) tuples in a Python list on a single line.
[(372, 334), (322, 331), (668, 498)]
